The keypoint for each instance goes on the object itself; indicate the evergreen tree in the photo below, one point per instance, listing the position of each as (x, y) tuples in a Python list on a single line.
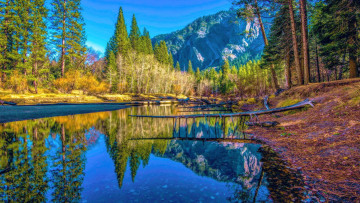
[(171, 60), (111, 72), (225, 70), (190, 69), (148, 43), (68, 32), (280, 46), (6, 37), (121, 42), (38, 39), (161, 52), (21, 34), (336, 31), (254, 10), (198, 75), (177, 67), (135, 35)]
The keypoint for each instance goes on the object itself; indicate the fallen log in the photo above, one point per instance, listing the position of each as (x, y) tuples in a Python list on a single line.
[(266, 124), (206, 106), (8, 103), (202, 110), (249, 113)]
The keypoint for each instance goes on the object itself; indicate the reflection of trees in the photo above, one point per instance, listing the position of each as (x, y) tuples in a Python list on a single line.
[(23, 163), (24, 151), (120, 129), (68, 167)]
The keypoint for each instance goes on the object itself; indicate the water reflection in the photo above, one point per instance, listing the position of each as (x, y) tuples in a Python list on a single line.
[(61, 159)]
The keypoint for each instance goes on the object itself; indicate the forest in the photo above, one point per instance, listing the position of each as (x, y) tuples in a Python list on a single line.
[(43, 50)]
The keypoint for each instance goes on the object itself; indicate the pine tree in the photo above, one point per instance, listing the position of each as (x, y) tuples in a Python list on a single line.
[(111, 72), (171, 60), (300, 76), (68, 31), (280, 45), (38, 39), (177, 67), (6, 27), (225, 70), (161, 52), (190, 69), (336, 32), (198, 75), (135, 35), (305, 41), (252, 10), (148, 43), (121, 41)]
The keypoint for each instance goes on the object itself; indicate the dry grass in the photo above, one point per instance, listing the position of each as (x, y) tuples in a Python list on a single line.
[(76, 96)]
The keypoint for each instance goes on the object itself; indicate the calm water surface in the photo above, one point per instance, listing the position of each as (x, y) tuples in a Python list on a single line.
[(111, 157)]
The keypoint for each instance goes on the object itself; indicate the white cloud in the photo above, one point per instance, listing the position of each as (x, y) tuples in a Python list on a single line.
[(96, 47)]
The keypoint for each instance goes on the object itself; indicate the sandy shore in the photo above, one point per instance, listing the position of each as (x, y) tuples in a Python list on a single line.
[(18, 113)]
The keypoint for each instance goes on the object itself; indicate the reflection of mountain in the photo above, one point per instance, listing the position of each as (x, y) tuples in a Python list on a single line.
[(227, 162)]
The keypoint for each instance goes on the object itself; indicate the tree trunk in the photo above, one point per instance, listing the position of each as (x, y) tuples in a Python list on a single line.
[(341, 69), (317, 62), (272, 68), (305, 42), (63, 42), (35, 75), (288, 71), (352, 48), (295, 44)]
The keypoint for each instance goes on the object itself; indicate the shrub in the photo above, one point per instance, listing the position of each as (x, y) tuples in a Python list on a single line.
[(17, 82), (63, 85), (75, 81), (251, 101)]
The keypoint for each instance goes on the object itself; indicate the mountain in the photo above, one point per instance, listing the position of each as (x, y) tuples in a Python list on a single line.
[(210, 39)]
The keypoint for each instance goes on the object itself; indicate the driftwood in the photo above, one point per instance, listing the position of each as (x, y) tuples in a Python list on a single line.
[(266, 102), (202, 110), (206, 106), (204, 139), (249, 113), (266, 124), (8, 103)]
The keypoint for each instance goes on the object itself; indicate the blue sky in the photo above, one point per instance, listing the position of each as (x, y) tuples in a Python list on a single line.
[(158, 16)]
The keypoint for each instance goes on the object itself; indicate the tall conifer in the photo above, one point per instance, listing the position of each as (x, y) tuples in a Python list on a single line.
[(68, 31), (135, 35), (190, 69), (38, 38), (121, 41)]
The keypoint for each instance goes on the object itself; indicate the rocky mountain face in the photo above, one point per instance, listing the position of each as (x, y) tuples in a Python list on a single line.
[(210, 39)]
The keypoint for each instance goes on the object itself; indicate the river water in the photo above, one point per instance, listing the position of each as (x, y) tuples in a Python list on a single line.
[(111, 157)]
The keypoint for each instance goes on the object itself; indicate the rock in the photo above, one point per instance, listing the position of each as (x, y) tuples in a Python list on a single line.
[(208, 40)]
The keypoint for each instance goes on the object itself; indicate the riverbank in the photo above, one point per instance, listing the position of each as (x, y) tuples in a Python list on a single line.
[(324, 141), (45, 97)]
